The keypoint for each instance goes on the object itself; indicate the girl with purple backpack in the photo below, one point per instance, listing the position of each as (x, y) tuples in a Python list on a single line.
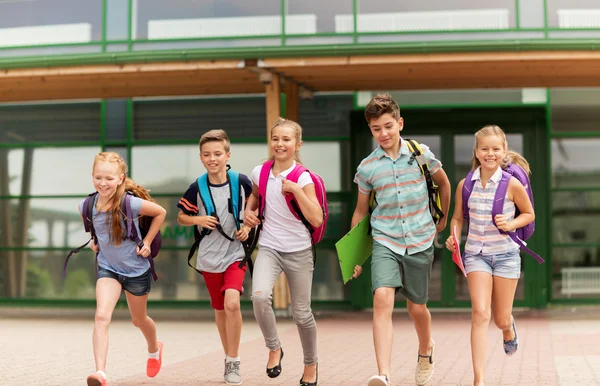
[(285, 243), (123, 264), (491, 258)]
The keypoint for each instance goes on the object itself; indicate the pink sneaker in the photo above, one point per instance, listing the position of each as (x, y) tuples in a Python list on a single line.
[(153, 365), (96, 379)]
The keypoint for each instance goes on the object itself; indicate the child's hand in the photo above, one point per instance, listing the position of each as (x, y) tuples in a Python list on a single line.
[(502, 224), (357, 271), (450, 243), (250, 218), (242, 234), (94, 246), (439, 227), (208, 222), (289, 187), (144, 250)]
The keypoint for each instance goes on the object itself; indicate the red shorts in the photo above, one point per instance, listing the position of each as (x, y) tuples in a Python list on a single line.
[(218, 282)]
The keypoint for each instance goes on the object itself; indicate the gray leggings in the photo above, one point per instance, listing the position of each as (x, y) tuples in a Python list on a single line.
[(298, 268)]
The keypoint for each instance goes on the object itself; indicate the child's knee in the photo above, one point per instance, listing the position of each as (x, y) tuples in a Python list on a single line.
[(232, 305), (138, 321), (102, 318), (383, 299), (416, 311), (303, 318), (261, 299), (503, 322), (480, 315)]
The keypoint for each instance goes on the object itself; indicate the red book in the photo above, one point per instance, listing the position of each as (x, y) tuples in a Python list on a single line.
[(456, 253)]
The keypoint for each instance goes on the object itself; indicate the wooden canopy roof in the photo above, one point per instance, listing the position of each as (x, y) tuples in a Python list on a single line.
[(335, 73)]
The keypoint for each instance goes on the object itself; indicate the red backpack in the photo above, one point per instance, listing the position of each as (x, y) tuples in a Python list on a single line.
[(316, 234)]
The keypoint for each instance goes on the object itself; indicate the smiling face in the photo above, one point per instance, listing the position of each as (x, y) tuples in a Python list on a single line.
[(284, 143), (490, 151), (386, 130), (107, 176), (214, 157)]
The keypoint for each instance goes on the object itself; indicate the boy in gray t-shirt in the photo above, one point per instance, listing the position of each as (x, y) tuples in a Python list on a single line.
[(218, 257)]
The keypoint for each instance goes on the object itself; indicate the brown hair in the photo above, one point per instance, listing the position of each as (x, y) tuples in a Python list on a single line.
[(217, 135), (297, 131), (382, 104), (116, 231), (511, 155)]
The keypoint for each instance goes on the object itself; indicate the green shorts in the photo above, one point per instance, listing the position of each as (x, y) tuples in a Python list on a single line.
[(408, 274)]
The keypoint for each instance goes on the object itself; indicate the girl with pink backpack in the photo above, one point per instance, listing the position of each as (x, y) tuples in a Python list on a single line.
[(499, 211), (288, 202)]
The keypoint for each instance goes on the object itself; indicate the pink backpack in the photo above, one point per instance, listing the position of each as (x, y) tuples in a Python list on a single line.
[(316, 234)]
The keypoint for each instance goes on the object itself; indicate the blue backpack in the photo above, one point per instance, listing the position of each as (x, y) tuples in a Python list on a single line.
[(234, 206)]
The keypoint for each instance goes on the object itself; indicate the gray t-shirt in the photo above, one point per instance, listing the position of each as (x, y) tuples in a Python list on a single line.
[(216, 253), (120, 259)]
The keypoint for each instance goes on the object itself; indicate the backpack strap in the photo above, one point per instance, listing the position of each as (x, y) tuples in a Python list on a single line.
[(294, 176), (498, 208), (234, 196), (417, 153), (263, 179), (466, 193), (132, 232), (87, 210)]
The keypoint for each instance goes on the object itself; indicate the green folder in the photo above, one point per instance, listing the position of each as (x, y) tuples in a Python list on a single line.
[(354, 248)]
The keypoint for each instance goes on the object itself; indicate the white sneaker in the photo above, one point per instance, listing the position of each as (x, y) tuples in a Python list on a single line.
[(424, 370), (379, 380)]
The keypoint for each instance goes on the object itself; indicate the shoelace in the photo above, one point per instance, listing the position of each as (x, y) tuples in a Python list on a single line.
[(233, 367)]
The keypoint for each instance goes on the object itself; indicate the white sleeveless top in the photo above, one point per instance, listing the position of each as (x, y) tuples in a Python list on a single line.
[(483, 235)]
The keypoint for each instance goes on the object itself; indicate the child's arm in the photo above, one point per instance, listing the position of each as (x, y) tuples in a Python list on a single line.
[(521, 200), (441, 179), (208, 222), (362, 208), (158, 214), (457, 217), (307, 201), (250, 216)]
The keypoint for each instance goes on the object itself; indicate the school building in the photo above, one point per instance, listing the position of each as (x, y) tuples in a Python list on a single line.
[(146, 78)]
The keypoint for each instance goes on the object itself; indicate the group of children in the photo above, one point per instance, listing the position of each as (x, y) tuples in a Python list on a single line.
[(403, 232)]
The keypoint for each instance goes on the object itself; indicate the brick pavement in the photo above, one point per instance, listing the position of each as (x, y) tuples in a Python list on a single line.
[(556, 348)]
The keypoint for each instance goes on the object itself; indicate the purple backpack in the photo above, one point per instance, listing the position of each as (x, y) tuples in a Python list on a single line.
[(520, 234), (131, 232)]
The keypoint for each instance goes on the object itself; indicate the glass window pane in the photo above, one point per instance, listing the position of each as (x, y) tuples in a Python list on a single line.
[(575, 162), (189, 118), (575, 272), (314, 16), (52, 171), (157, 19), (574, 217), (38, 22), (50, 123), (117, 19), (116, 119), (171, 169), (576, 119)]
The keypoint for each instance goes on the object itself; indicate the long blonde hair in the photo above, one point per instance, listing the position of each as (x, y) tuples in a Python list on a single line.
[(116, 231), (511, 155), (297, 132)]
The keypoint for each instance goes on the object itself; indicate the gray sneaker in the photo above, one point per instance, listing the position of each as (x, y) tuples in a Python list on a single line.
[(232, 373)]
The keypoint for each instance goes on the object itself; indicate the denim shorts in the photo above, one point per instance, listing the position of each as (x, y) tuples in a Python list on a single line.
[(507, 265), (137, 286)]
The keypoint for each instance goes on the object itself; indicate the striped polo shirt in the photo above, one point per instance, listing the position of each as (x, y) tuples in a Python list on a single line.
[(483, 235), (401, 221)]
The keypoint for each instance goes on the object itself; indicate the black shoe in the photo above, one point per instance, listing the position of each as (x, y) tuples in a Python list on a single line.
[(275, 371), (304, 383)]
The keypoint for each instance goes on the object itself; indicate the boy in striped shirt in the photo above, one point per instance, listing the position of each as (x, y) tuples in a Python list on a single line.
[(403, 233)]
